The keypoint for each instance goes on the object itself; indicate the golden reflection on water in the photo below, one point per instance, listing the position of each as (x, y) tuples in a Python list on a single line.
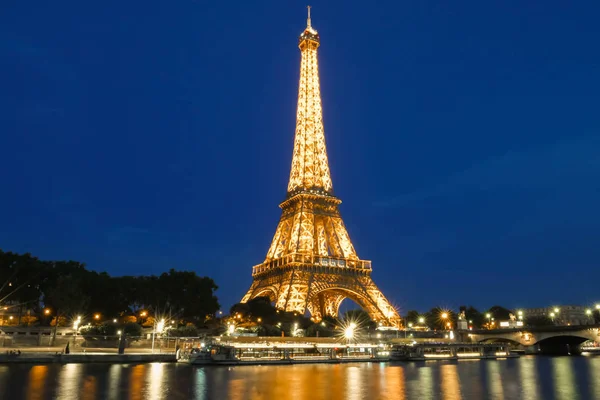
[(494, 380), (69, 378), (450, 382), (354, 383), (426, 381), (136, 382), (114, 381), (36, 382), (529, 379), (392, 383), (88, 391), (155, 380), (316, 382), (593, 365), (564, 380), (440, 380)]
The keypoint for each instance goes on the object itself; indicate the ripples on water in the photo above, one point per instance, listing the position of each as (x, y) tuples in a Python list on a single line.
[(528, 378)]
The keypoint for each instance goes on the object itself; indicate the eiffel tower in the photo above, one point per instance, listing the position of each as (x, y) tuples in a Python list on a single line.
[(311, 264)]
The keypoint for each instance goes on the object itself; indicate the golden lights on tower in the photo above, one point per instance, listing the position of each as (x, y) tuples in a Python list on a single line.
[(311, 264)]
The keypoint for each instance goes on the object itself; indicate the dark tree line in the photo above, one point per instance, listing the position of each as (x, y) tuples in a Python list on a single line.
[(54, 289)]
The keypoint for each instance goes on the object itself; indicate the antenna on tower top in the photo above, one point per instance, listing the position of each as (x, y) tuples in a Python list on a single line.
[(308, 20)]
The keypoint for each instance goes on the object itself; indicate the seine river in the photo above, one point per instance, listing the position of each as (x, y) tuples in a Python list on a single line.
[(524, 378)]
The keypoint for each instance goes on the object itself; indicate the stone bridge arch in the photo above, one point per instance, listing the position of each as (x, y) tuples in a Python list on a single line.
[(534, 337)]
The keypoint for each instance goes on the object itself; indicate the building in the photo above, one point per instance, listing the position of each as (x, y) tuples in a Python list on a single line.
[(562, 315)]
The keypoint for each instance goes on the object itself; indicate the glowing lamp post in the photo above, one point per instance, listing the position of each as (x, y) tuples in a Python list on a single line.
[(444, 317), (159, 327), (76, 324), (349, 331)]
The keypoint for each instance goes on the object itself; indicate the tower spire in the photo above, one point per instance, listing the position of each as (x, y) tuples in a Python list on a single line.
[(310, 168)]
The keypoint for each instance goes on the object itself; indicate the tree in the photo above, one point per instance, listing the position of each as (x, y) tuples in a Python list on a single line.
[(184, 331), (187, 296), (472, 314), (66, 297), (132, 329), (500, 313), (258, 307), (66, 288), (412, 316), (320, 330), (435, 318)]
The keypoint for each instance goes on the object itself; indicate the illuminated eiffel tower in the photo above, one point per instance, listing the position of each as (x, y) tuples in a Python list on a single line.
[(311, 264)]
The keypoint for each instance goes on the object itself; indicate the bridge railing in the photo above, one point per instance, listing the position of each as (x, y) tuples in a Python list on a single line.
[(533, 329)]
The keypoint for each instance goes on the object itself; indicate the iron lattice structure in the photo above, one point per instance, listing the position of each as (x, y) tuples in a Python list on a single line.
[(311, 264)]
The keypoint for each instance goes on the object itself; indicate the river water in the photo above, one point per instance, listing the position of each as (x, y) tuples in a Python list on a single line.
[(531, 378)]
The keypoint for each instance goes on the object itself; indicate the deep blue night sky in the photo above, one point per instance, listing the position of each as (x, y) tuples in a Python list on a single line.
[(463, 137)]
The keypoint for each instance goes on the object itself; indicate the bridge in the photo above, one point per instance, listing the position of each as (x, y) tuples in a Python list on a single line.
[(546, 339)]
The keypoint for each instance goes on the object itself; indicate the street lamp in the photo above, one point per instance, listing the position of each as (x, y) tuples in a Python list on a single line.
[(158, 328), (556, 310), (349, 331), (597, 306), (47, 311), (96, 317), (75, 327), (421, 320)]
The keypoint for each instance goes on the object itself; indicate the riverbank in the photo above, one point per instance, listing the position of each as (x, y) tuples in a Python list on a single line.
[(50, 358)]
